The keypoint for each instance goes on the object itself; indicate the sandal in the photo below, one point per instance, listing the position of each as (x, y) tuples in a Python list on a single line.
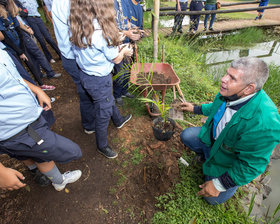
[(46, 87)]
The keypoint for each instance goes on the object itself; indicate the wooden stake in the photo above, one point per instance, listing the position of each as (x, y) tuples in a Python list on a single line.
[(155, 28)]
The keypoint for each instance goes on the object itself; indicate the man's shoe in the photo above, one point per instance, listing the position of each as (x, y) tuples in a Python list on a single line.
[(119, 101), (107, 152), (68, 178), (40, 178), (125, 120), (211, 29), (204, 29), (180, 31), (52, 61), (89, 132), (128, 95), (56, 75)]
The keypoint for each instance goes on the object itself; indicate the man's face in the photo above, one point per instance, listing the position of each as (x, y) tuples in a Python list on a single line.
[(231, 83)]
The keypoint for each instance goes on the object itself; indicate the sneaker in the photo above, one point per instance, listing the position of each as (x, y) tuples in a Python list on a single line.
[(68, 178), (180, 31), (107, 152), (211, 29), (56, 75), (119, 101), (46, 87), (52, 99), (204, 29), (125, 120), (40, 178), (128, 95), (89, 132), (52, 61)]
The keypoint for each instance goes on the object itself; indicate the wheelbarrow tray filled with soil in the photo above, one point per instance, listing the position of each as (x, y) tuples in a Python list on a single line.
[(160, 75)]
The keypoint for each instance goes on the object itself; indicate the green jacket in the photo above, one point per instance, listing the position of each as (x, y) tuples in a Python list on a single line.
[(244, 146)]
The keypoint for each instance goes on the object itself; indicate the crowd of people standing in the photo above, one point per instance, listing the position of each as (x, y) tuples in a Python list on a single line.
[(89, 45)]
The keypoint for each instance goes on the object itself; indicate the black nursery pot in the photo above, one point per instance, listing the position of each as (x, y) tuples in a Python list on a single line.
[(159, 134)]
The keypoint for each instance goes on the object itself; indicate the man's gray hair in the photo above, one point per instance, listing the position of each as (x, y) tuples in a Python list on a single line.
[(254, 70)]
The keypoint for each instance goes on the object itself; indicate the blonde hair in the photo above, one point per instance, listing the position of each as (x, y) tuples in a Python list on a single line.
[(11, 8), (82, 14)]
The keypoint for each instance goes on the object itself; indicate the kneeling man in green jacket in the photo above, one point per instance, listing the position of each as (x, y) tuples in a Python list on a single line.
[(242, 129)]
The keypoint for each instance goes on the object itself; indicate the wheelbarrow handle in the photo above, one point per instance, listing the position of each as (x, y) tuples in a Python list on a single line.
[(180, 92)]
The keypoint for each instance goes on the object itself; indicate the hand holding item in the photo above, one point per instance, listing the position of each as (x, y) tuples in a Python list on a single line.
[(186, 106), (122, 36), (127, 50)]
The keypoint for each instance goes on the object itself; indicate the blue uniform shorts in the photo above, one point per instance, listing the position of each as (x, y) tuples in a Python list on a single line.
[(55, 147)]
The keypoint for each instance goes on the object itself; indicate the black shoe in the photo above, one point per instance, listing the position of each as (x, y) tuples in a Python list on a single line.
[(107, 152), (180, 31), (211, 29), (40, 178), (204, 29), (125, 120)]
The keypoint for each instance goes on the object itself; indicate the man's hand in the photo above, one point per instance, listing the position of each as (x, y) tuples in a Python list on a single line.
[(23, 57), (186, 106), (208, 190), (10, 178)]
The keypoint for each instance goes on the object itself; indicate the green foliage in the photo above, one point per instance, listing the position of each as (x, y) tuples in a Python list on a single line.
[(184, 206), (246, 37), (272, 84), (136, 157)]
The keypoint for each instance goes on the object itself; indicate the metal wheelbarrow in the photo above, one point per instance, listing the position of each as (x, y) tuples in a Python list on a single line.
[(164, 69)]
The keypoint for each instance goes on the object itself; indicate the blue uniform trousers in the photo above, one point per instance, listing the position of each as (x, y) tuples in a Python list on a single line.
[(100, 89), (29, 64), (37, 57), (120, 84), (190, 139), (86, 103), (41, 33), (195, 6), (55, 147), (178, 19), (213, 16)]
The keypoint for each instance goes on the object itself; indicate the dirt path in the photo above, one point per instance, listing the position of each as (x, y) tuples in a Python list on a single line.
[(271, 18)]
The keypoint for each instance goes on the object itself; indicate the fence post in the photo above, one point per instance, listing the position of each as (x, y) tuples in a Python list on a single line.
[(155, 28)]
